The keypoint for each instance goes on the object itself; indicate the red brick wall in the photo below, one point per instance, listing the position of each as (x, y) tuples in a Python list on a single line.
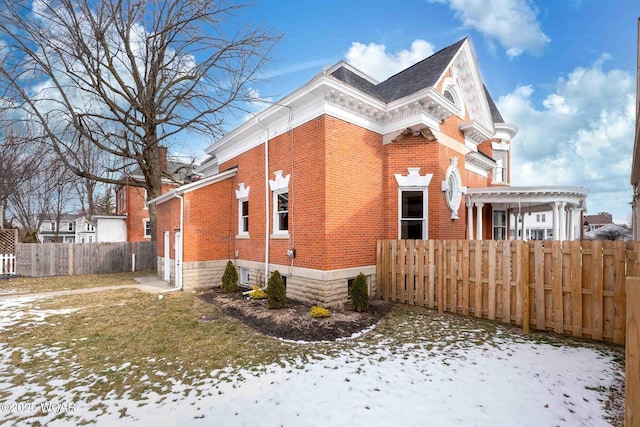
[(208, 226), (306, 193), (136, 212), (353, 199), (168, 219), (343, 197)]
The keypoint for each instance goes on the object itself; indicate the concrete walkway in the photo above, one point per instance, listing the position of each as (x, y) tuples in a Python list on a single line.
[(151, 284)]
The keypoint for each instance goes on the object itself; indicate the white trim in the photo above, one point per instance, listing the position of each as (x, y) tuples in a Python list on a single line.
[(501, 146), (280, 182), (242, 192), (413, 181), (453, 188)]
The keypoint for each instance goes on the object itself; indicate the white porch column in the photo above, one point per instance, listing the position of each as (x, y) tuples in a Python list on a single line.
[(470, 221), (479, 220), (571, 223), (563, 221), (556, 232)]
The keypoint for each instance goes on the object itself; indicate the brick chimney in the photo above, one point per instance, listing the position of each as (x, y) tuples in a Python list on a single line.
[(163, 159)]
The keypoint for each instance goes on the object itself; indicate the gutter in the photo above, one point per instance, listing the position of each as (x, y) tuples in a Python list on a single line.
[(266, 203)]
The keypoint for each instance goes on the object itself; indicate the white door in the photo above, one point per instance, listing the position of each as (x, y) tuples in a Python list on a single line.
[(167, 263), (177, 250)]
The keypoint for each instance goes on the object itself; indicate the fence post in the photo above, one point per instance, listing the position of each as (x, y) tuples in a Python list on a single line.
[(632, 353), (70, 259), (524, 285)]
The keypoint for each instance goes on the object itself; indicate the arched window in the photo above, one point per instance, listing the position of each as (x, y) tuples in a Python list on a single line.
[(447, 94)]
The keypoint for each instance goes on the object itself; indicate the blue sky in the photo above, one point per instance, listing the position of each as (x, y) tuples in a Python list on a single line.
[(562, 71)]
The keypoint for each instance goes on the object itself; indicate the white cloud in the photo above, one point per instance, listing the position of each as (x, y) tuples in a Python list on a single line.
[(513, 23), (374, 60), (580, 134)]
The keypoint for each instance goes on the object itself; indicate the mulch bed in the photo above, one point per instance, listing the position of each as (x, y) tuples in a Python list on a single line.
[(294, 321)]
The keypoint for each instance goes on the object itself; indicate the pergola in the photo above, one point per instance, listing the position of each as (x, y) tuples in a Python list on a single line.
[(566, 204)]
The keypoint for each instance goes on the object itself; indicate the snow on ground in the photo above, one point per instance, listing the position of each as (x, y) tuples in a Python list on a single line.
[(507, 381)]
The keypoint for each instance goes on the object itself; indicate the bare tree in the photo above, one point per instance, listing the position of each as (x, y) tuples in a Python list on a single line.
[(127, 75), (18, 164)]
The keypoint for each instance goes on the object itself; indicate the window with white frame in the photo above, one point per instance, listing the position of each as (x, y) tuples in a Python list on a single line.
[(242, 194), (147, 228), (500, 171), (412, 221), (281, 212), (412, 204), (89, 227), (243, 220), (70, 226), (53, 226), (280, 188), (500, 225)]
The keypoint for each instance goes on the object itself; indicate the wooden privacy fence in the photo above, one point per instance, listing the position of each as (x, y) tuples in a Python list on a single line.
[(570, 287), (62, 259)]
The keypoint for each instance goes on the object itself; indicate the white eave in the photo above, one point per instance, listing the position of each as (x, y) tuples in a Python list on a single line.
[(505, 131), (325, 94), (528, 194), (194, 186), (475, 132), (480, 161)]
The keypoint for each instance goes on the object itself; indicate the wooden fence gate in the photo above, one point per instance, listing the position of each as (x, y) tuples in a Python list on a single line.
[(569, 287)]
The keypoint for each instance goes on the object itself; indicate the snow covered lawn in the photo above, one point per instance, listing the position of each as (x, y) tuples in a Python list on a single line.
[(416, 368)]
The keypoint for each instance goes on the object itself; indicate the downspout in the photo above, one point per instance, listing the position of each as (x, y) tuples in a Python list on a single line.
[(179, 273), (266, 204)]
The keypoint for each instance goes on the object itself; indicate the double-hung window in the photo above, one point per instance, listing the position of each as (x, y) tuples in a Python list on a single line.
[(147, 228), (280, 188), (412, 221), (243, 219), (412, 204), (242, 194), (281, 212)]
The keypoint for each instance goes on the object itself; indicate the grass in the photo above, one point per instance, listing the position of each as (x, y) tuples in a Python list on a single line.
[(126, 343), (25, 285)]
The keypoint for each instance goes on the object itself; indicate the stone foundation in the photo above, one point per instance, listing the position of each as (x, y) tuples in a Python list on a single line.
[(326, 288)]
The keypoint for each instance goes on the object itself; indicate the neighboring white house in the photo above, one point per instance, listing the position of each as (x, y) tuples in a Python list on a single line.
[(537, 226), (66, 230), (101, 228)]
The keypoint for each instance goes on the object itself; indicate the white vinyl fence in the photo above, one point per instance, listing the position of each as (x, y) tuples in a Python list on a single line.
[(7, 264)]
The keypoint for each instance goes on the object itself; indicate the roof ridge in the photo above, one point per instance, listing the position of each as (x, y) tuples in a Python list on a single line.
[(458, 43)]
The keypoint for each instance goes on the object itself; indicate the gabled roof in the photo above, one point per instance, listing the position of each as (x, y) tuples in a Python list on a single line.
[(495, 113), (419, 76)]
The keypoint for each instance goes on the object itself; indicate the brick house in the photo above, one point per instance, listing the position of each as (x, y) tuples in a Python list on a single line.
[(311, 183), (131, 201)]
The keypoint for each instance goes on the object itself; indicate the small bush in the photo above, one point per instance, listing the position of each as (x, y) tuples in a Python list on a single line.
[(319, 311), (276, 293), (359, 294), (229, 279), (257, 293)]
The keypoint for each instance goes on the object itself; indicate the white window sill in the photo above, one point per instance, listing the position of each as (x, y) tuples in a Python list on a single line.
[(279, 236), (242, 236)]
